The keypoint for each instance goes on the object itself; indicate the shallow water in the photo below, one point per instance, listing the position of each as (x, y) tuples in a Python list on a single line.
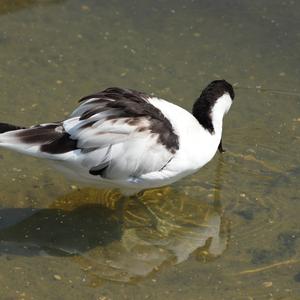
[(231, 231)]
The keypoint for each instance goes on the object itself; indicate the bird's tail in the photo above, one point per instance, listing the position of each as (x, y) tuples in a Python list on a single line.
[(5, 127), (45, 140)]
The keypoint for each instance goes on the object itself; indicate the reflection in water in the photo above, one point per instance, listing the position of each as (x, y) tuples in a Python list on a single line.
[(57, 231), (114, 238)]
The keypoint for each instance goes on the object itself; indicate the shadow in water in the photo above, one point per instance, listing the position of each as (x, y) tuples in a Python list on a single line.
[(11, 6), (120, 239), (57, 231)]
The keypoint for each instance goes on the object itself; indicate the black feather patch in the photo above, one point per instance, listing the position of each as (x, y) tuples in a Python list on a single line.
[(114, 94), (4, 127), (60, 145), (99, 171), (134, 107), (204, 104), (52, 138)]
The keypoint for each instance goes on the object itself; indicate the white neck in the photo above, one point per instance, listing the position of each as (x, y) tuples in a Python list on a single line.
[(220, 108)]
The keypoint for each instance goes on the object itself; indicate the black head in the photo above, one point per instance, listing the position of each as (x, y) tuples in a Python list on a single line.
[(203, 106)]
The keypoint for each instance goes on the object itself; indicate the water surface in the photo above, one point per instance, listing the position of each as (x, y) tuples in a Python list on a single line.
[(231, 231)]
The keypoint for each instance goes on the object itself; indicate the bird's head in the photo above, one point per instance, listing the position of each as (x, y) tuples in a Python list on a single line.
[(213, 103)]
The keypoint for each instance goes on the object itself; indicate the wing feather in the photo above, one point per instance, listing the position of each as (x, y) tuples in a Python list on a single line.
[(125, 134), (114, 134)]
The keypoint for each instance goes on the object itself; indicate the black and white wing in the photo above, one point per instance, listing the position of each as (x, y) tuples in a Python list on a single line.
[(121, 134), (115, 134)]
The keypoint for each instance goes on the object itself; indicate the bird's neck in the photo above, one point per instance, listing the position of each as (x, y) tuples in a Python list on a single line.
[(211, 119), (217, 115)]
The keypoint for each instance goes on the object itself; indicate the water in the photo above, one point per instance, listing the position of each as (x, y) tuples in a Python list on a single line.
[(231, 231)]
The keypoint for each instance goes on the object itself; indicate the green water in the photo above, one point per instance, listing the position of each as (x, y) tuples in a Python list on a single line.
[(231, 231)]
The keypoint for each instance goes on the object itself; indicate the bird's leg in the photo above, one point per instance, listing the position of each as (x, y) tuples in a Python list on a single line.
[(120, 209), (150, 213), (218, 184), (220, 148)]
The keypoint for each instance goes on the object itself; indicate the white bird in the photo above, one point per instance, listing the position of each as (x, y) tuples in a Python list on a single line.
[(121, 138)]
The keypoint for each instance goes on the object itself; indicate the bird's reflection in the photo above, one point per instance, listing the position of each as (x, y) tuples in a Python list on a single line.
[(115, 238), (57, 231)]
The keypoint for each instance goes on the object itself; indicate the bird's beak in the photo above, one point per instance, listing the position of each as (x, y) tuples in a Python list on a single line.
[(220, 148)]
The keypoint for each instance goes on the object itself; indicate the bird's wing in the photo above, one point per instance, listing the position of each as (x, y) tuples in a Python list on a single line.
[(115, 134), (121, 134)]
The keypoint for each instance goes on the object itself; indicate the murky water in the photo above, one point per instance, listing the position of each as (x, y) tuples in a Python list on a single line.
[(231, 231)]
